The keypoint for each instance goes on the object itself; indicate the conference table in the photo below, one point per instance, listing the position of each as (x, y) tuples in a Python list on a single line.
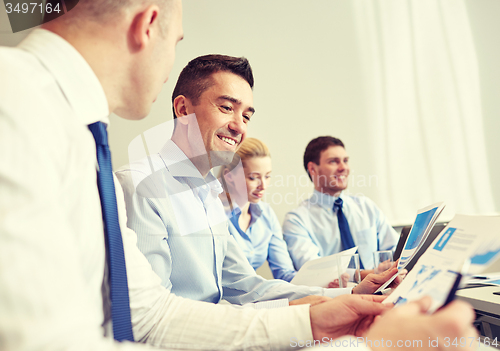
[(487, 307)]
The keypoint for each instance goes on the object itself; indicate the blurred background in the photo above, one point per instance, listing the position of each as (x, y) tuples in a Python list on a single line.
[(411, 87)]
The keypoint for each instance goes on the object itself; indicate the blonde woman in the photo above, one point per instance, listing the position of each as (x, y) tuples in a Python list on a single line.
[(252, 222)]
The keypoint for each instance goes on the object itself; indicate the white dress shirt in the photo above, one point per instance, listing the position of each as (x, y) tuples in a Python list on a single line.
[(312, 231), (53, 286)]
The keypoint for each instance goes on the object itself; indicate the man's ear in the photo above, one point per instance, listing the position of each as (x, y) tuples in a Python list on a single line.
[(310, 168), (144, 26), (181, 106)]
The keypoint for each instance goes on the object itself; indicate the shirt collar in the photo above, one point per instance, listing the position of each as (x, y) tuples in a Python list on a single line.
[(179, 165), (255, 210), (75, 77), (323, 199), (234, 215)]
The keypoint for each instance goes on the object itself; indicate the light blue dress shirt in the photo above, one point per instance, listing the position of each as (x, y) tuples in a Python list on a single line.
[(263, 240), (182, 230), (312, 230)]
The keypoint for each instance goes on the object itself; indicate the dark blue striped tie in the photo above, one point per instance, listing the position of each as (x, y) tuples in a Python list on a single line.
[(345, 232), (120, 306)]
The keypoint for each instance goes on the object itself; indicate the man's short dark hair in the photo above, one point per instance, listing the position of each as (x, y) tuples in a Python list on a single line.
[(316, 146), (102, 11), (195, 78)]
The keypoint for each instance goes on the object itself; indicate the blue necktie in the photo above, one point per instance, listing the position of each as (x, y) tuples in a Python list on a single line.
[(120, 306), (345, 232)]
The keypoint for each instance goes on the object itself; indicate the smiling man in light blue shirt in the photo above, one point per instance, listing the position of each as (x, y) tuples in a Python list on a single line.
[(312, 230), (172, 197)]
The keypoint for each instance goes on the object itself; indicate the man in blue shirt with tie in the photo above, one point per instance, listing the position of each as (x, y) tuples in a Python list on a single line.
[(331, 221)]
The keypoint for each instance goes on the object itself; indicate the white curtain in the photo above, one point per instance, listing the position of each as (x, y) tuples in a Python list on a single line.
[(424, 106)]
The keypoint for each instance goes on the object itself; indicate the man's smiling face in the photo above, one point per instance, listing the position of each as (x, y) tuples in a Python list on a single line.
[(223, 111), (330, 176)]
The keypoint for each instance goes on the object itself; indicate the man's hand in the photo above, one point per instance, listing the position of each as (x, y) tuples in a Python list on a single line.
[(365, 272), (311, 299), (373, 281), (398, 279), (383, 266), (401, 276), (410, 322), (345, 315), (335, 283)]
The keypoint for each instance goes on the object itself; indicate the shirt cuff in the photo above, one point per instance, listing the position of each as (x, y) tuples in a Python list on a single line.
[(288, 326), (264, 305), (337, 292), (271, 304)]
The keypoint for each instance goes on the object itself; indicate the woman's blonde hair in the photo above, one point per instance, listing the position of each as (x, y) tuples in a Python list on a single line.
[(252, 147), (249, 148)]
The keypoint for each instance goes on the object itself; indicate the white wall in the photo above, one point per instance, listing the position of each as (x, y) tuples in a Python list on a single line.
[(306, 68), (307, 83), (484, 21)]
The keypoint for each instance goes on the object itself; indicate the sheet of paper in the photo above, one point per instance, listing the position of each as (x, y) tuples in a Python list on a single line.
[(321, 271), (490, 280), (467, 241)]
